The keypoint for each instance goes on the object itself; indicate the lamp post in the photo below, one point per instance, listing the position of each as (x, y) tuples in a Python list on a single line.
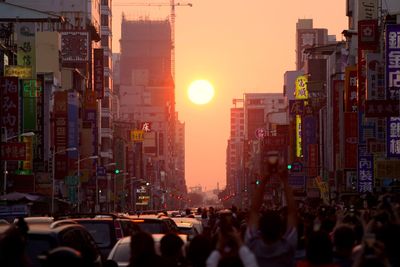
[(79, 176), (5, 161), (54, 172), (109, 177)]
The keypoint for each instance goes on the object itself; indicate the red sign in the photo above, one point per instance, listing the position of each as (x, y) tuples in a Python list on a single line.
[(98, 72), (337, 88), (13, 151), (312, 169), (9, 116), (350, 93), (382, 108), (60, 132), (368, 34), (351, 140)]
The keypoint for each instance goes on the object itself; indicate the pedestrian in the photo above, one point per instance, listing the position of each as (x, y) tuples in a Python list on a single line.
[(143, 253), (267, 237), (198, 251), (171, 248)]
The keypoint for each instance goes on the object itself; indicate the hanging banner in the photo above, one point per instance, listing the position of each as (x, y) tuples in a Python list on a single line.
[(393, 137), (350, 89), (351, 140), (312, 169), (29, 94), (60, 133), (9, 111), (98, 72)]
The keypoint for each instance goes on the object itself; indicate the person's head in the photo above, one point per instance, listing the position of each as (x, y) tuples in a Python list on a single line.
[(271, 226), (171, 245), (319, 248), (198, 251), (142, 244), (187, 212), (12, 244), (344, 239)]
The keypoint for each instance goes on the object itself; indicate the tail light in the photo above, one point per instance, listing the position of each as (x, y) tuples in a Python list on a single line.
[(118, 229)]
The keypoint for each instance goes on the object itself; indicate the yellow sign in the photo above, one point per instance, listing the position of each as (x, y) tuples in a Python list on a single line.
[(301, 87), (299, 152), (27, 164), (22, 72), (137, 135)]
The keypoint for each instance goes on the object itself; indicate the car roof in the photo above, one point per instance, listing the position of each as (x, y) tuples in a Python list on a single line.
[(185, 225)]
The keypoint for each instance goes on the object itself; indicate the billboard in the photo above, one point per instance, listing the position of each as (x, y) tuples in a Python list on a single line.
[(22, 72), (26, 55), (75, 46), (13, 151)]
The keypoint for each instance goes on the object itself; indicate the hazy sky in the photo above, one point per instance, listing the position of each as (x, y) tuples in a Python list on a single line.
[(239, 46)]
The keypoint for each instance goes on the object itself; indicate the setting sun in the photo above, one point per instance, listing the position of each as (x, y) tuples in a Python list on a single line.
[(200, 92)]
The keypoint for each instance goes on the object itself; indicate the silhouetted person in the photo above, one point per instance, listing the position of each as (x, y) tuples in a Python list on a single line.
[(143, 252), (198, 251), (171, 250), (344, 240), (267, 237), (12, 245)]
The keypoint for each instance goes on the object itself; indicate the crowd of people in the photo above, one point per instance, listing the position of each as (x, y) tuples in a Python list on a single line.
[(305, 235)]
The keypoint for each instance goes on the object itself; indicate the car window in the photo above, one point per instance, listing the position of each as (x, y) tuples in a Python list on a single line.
[(100, 232), (129, 227), (122, 253), (153, 227)]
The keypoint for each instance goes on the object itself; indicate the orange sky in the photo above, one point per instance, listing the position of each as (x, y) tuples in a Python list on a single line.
[(239, 46)]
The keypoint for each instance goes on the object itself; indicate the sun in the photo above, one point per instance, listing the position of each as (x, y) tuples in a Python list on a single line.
[(201, 92)]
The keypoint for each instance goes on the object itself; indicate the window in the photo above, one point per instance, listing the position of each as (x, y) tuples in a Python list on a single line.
[(104, 2), (281, 101), (104, 40), (104, 20), (106, 61), (105, 122)]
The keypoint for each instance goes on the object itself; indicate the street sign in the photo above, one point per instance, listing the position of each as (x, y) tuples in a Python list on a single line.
[(101, 171), (297, 166)]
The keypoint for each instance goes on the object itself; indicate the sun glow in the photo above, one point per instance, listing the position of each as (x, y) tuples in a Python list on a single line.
[(201, 92)]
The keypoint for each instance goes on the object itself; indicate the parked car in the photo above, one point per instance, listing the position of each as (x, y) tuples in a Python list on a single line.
[(106, 229), (41, 239), (188, 229), (196, 223)]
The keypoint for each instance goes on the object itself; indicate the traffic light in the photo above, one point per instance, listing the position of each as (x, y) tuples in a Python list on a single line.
[(258, 182), (289, 167), (117, 171)]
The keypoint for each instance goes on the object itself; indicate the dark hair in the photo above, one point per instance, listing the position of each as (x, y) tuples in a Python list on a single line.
[(319, 248), (198, 251), (344, 237), (271, 226), (170, 245)]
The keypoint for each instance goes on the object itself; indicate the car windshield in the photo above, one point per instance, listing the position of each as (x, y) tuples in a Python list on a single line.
[(122, 253), (100, 233), (153, 227)]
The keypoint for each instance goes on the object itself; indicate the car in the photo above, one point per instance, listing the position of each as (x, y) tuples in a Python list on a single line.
[(188, 229), (41, 239), (121, 251), (154, 224), (37, 220), (196, 223), (106, 229)]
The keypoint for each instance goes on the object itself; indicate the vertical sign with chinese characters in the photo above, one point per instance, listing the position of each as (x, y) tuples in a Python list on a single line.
[(73, 124), (350, 91), (38, 158), (365, 170), (301, 92), (26, 46), (9, 111), (393, 86), (98, 72), (350, 140), (60, 132), (29, 94)]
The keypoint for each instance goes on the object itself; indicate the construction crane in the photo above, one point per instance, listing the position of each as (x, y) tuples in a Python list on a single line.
[(171, 4)]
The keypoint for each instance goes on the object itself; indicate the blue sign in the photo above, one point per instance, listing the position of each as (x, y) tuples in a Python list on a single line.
[(393, 137), (365, 170), (297, 181), (101, 171)]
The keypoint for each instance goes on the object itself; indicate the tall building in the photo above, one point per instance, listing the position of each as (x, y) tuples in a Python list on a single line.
[(146, 95)]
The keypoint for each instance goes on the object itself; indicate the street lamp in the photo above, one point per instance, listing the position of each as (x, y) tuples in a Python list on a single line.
[(54, 172), (79, 176), (5, 161), (109, 177)]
